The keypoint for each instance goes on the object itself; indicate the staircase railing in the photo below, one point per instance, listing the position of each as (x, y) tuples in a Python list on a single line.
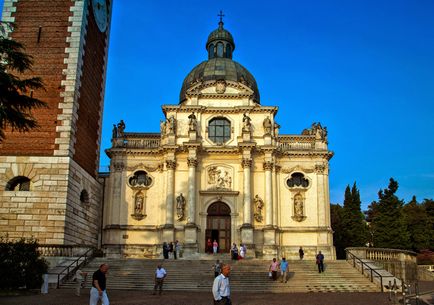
[(73, 266), (365, 267)]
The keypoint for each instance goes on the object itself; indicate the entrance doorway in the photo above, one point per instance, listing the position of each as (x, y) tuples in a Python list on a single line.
[(218, 226)]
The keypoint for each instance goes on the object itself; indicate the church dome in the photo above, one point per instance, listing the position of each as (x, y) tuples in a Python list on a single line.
[(219, 66)]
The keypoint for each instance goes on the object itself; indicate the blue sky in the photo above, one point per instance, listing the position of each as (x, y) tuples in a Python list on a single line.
[(364, 69)]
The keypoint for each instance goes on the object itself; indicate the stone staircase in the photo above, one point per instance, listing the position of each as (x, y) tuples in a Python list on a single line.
[(247, 275)]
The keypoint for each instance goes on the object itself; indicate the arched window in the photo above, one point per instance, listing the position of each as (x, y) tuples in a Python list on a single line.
[(228, 51), (211, 51), (19, 183), (297, 180), (140, 179), (84, 197), (220, 48), (219, 130)]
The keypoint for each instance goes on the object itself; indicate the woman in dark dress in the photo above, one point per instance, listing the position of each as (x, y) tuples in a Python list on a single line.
[(165, 250)]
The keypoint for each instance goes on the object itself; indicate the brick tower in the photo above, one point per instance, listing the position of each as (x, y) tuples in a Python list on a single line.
[(49, 187)]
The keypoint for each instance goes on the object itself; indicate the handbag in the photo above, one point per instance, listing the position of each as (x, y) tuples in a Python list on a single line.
[(270, 274)]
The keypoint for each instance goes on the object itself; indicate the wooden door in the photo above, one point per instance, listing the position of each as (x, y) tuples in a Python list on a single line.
[(219, 225)]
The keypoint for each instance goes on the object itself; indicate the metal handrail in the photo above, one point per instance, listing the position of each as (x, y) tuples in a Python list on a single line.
[(372, 271), (70, 267)]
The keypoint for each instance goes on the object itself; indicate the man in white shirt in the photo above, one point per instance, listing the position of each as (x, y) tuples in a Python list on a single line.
[(160, 274), (220, 289)]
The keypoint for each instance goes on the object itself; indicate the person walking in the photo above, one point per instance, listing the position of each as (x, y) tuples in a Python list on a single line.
[(171, 250), (242, 252), (98, 290), (80, 279), (320, 261), (208, 246), (220, 288), (284, 270), (234, 251), (215, 246), (217, 267), (273, 269), (160, 275), (301, 253)]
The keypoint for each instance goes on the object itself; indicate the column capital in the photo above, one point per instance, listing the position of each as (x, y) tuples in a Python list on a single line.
[(246, 162), (268, 165), (192, 162), (171, 164), (321, 168), (118, 166)]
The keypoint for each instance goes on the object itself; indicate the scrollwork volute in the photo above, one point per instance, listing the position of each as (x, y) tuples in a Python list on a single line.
[(321, 169)]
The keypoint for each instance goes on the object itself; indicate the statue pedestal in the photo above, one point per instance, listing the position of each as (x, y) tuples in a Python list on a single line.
[(270, 248), (192, 135), (190, 242), (246, 136), (168, 233), (170, 139), (247, 239), (267, 139)]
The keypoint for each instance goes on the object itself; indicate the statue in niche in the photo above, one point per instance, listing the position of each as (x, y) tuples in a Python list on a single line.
[(171, 125), (162, 128), (267, 125), (192, 123), (298, 208), (139, 205), (259, 205), (180, 205), (247, 125), (120, 129)]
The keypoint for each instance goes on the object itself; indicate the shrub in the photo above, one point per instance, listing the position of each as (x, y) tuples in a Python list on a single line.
[(20, 264)]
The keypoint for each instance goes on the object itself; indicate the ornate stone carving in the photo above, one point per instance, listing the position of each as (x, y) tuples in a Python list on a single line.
[(317, 130), (220, 87), (162, 128), (320, 168), (149, 168), (298, 208), (277, 168), (267, 125), (297, 168), (192, 123), (268, 165), (180, 206), (139, 206), (246, 162), (171, 164), (118, 131), (276, 129), (219, 178), (140, 180), (259, 205), (298, 180), (192, 162), (171, 125), (118, 166), (247, 125)]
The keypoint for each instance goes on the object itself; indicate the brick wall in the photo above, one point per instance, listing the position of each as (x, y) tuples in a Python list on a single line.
[(88, 129), (48, 54)]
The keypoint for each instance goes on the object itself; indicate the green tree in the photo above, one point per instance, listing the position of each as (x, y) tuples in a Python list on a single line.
[(417, 224), (16, 100), (387, 220), (20, 264), (336, 215), (355, 231), (428, 205)]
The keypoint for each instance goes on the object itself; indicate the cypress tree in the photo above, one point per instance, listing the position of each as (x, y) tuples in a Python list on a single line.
[(417, 224), (388, 222), (336, 215), (354, 225)]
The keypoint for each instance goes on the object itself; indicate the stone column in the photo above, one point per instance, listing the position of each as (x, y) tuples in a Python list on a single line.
[(270, 248), (247, 201), (171, 166), (191, 214), (268, 167), (116, 200)]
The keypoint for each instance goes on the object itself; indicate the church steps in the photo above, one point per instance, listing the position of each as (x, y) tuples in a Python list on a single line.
[(246, 275)]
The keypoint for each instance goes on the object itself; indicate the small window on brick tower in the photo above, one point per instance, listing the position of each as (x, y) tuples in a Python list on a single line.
[(19, 183), (84, 197)]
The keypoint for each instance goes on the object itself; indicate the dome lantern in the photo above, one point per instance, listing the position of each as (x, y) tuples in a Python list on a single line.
[(220, 42)]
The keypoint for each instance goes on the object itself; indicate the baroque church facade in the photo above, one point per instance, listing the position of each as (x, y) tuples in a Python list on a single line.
[(218, 168)]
